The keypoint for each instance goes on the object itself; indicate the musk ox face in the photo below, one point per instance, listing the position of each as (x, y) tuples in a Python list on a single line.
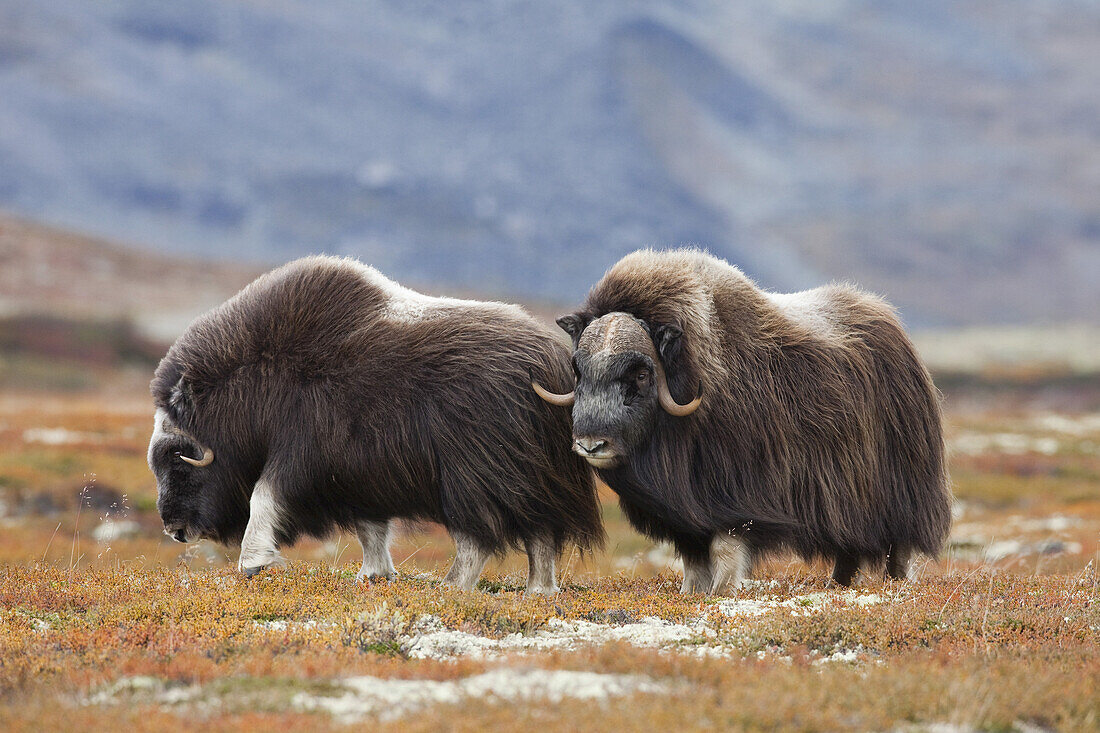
[(620, 386), (194, 494), (615, 405)]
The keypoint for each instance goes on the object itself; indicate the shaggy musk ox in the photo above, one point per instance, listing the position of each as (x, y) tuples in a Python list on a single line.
[(733, 421), (326, 396)]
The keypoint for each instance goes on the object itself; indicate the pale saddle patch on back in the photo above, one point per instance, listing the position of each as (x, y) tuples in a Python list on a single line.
[(406, 305)]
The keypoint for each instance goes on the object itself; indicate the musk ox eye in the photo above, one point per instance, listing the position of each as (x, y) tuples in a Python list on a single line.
[(635, 384), (177, 453)]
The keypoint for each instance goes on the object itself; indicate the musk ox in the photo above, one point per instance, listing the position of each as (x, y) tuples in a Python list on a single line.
[(326, 396), (733, 421)]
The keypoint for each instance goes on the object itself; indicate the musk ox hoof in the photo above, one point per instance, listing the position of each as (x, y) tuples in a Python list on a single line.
[(542, 590), (276, 561), (375, 577)]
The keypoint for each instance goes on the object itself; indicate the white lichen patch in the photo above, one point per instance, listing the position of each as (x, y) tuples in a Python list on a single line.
[(110, 530), (59, 436), (41, 623), (868, 599), (659, 557), (746, 607), (1016, 536), (1015, 444), (1019, 726), (1046, 434), (843, 655), (650, 632), (281, 624), (448, 644), (430, 640), (143, 687), (799, 605), (389, 699), (355, 698), (1004, 549), (1075, 425), (1054, 523)]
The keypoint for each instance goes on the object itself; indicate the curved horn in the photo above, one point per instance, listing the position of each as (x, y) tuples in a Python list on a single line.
[(670, 405), (206, 460), (561, 400)]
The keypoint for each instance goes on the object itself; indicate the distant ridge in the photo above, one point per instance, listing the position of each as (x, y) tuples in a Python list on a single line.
[(47, 270)]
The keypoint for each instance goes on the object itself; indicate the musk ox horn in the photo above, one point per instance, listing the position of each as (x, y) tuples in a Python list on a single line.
[(206, 460), (561, 400), (670, 405)]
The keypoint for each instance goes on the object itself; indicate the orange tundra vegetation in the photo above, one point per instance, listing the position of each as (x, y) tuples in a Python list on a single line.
[(106, 623)]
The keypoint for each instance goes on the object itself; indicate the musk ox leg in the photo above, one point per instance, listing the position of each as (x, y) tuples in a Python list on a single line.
[(258, 547), (541, 573), (897, 563), (698, 577), (375, 538), (730, 561), (847, 565), (470, 560)]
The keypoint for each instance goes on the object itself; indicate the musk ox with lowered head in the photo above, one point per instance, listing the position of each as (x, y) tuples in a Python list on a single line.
[(732, 421), (326, 396)]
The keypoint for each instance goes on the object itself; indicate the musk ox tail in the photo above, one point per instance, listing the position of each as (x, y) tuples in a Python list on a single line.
[(913, 457)]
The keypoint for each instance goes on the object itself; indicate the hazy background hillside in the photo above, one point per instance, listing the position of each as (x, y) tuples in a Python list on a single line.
[(944, 153)]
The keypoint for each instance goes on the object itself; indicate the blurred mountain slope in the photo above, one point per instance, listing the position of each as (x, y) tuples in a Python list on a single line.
[(49, 272), (943, 153)]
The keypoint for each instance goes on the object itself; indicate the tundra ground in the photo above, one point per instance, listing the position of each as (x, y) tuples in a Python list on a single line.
[(106, 623)]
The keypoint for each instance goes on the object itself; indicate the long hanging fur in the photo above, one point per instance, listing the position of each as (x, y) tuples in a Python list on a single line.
[(820, 429), (361, 400)]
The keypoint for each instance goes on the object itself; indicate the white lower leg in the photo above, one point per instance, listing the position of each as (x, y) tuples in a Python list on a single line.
[(730, 563), (375, 538), (697, 576), (258, 548), (541, 571), (469, 561)]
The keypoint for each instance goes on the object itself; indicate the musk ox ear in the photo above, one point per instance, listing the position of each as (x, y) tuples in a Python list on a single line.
[(574, 325), (669, 342)]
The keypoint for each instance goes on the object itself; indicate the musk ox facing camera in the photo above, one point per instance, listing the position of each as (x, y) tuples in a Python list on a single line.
[(732, 421)]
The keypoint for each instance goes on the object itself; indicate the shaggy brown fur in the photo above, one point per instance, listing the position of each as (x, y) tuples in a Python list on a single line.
[(360, 400), (819, 430)]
